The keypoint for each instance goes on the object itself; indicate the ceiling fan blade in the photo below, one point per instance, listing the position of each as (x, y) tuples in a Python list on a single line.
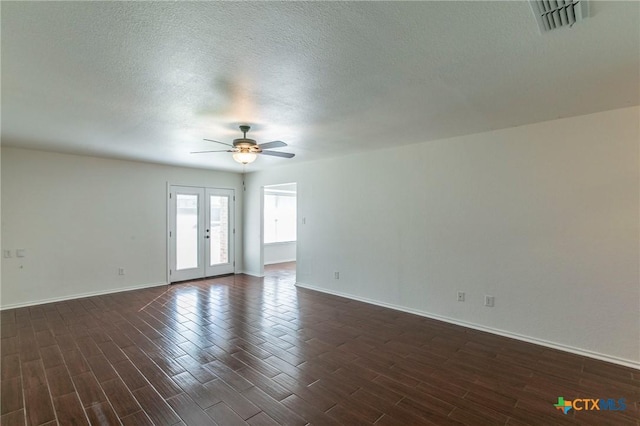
[(273, 144), (218, 150), (278, 154), (223, 143)]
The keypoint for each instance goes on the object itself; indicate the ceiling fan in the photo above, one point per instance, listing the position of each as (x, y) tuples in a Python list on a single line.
[(245, 150)]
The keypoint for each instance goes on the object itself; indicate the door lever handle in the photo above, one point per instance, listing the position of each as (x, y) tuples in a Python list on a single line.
[(206, 236)]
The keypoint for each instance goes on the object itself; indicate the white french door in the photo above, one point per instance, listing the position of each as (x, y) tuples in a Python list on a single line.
[(201, 232)]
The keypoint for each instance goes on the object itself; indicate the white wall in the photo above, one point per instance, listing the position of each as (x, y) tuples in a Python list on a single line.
[(544, 217), (279, 252), (81, 218)]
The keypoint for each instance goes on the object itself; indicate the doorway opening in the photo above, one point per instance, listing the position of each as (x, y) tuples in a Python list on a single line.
[(280, 236)]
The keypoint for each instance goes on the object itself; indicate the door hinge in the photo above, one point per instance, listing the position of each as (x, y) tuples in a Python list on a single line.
[(234, 198), (169, 195), (234, 230), (234, 263), (169, 271), (169, 233)]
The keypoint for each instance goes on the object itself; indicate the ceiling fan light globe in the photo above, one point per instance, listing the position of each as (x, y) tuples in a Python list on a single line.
[(244, 157)]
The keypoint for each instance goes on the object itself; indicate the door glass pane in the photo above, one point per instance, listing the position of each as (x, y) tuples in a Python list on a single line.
[(186, 231), (219, 229)]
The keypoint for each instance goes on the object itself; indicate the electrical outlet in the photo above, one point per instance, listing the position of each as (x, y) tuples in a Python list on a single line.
[(461, 296), (21, 253), (489, 301), (120, 271), (6, 254), (336, 275)]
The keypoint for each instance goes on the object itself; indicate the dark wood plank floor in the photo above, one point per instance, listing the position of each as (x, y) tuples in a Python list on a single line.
[(240, 350)]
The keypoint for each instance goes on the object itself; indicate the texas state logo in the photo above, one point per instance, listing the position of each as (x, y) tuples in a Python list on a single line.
[(563, 405), (590, 404)]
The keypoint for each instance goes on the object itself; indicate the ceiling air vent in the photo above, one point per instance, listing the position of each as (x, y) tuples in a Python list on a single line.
[(553, 14)]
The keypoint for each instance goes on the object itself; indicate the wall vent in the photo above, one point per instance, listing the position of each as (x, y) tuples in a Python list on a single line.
[(553, 14)]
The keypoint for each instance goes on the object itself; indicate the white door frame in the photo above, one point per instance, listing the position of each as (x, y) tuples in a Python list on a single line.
[(204, 268)]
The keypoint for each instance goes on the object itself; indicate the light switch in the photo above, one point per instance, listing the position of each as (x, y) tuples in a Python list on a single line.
[(6, 254), (21, 253)]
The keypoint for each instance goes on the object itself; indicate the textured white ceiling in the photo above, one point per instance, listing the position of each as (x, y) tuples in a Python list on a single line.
[(149, 81)]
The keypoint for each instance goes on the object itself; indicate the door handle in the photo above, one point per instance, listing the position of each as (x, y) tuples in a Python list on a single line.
[(206, 236)]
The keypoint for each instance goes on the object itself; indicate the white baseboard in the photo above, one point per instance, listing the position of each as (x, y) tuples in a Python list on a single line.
[(534, 340), (273, 262), (253, 274), (79, 296)]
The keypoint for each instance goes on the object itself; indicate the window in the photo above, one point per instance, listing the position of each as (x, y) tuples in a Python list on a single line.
[(279, 216)]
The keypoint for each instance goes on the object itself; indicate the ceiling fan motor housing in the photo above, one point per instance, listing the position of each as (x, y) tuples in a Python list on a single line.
[(246, 144)]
